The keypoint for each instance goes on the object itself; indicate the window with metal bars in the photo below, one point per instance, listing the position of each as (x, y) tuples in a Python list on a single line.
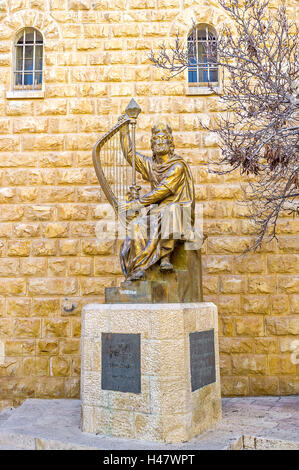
[(28, 70), (202, 56)]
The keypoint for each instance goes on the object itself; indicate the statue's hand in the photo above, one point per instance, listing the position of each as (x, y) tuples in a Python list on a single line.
[(129, 206), (129, 196)]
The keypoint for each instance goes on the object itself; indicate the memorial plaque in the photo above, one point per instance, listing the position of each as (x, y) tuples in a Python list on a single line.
[(202, 359), (121, 362)]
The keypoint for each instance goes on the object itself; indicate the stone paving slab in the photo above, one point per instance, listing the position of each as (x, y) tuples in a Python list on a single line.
[(251, 423), (10, 448), (5, 414)]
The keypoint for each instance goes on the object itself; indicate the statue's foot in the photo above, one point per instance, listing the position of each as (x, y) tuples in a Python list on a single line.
[(136, 276), (166, 265)]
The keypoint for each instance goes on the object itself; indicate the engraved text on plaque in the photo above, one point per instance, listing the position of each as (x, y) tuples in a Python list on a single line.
[(121, 362), (202, 359)]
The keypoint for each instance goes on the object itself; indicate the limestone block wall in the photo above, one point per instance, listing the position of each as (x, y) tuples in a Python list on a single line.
[(51, 263)]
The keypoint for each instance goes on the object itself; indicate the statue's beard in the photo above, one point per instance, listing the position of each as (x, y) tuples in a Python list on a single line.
[(161, 150)]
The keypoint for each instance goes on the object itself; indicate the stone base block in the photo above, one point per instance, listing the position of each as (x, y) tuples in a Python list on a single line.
[(183, 284), (150, 371)]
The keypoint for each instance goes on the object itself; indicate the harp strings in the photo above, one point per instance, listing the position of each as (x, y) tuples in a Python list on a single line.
[(115, 167)]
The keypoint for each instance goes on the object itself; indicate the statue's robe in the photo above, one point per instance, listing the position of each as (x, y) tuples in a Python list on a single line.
[(169, 217)]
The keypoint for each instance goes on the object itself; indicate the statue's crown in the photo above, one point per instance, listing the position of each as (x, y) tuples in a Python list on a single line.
[(161, 127)]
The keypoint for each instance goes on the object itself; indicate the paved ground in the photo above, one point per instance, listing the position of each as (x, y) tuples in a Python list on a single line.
[(251, 423)]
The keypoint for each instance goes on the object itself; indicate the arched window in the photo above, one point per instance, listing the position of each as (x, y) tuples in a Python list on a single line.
[(202, 44), (28, 65)]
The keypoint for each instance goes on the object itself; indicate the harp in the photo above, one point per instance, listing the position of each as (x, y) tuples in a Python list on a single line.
[(116, 176)]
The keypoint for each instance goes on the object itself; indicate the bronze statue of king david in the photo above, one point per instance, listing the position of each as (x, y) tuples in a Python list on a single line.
[(171, 200), (159, 221)]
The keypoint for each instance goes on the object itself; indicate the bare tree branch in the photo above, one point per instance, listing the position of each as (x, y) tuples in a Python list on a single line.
[(258, 129)]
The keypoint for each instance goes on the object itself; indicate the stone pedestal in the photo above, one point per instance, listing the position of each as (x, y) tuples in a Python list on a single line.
[(150, 371)]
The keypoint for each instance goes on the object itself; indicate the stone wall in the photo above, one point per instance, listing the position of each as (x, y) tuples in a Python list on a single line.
[(96, 59)]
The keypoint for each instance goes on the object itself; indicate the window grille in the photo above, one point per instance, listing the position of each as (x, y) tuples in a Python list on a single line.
[(28, 71), (202, 56)]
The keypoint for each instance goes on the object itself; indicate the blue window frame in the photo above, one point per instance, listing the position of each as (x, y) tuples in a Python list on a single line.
[(202, 44), (28, 71)]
